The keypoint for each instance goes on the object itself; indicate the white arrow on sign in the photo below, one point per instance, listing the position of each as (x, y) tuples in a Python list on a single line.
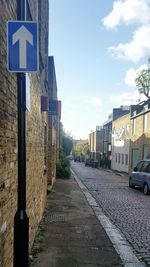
[(22, 35)]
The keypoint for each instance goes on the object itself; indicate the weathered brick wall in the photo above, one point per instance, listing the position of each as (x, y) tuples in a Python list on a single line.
[(139, 138), (53, 124), (52, 149), (35, 123), (99, 141), (8, 141)]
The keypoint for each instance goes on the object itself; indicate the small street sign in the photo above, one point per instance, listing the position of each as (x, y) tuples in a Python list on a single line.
[(22, 46)]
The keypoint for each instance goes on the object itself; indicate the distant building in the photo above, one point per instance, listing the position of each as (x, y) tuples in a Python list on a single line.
[(107, 129), (96, 143), (121, 143)]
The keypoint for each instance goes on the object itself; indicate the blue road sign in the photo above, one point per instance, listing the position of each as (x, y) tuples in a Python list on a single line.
[(22, 46)]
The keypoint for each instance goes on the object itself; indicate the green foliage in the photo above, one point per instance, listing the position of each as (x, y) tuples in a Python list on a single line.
[(67, 144), (63, 164), (63, 167), (143, 82), (66, 141), (80, 148)]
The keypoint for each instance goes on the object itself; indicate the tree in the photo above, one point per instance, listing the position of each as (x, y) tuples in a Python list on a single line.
[(66, 141), (143, 82), (63, 164), (80, 148), (67, 144)]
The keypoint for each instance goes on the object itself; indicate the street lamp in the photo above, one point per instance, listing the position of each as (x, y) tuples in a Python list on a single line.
[(21, 221)]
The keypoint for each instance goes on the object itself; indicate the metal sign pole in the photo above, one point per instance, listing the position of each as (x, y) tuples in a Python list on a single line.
[(21, 221)]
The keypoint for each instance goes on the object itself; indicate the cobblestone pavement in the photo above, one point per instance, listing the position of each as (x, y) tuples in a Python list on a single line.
[(128, 209)]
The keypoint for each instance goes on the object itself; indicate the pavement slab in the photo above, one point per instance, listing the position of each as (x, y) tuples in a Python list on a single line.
[(70, 234)]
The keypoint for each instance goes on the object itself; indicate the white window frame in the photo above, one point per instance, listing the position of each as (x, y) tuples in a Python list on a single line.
[(145, 123), (133, 126)]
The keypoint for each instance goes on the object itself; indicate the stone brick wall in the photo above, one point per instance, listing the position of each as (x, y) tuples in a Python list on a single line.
[(53, 124), (35, 123), (140, 138), (8, 141)]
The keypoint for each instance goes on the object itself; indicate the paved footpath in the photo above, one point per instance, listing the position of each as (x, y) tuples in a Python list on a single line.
[(70, 234)]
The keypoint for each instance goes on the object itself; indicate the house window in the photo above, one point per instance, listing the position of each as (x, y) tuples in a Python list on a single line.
[(146, 107), (116, 157), (119, 158), (145, 151), (145, 123), (126, 159), (122, 158)]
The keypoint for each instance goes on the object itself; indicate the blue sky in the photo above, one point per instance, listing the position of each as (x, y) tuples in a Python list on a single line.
[(98, 48)]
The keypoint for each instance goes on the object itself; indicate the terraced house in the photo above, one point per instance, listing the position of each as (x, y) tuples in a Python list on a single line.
[(121, 143), (126, 136), (38, 130), (140, 132), (96, 144)]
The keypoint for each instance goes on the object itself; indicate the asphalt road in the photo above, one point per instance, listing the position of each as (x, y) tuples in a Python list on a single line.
[(128, 209)]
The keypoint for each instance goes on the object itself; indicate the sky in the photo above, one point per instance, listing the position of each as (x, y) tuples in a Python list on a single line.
[(99, 47)]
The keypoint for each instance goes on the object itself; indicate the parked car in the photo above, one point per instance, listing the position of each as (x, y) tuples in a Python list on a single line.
[(87, 162), (140, 176), (77, 158), (92, 163)]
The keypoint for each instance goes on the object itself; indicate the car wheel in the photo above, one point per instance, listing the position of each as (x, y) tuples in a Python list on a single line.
[(131, 185), (146, 189)]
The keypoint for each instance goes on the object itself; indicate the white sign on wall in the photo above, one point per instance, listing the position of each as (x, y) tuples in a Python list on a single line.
[(27, 92)]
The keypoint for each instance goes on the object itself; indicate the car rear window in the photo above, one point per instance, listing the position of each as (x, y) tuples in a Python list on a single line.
[(146, 167)]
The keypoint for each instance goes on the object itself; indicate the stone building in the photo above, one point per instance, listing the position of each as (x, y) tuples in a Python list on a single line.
[(36, 131), (140, 132), (121, 143), (96, 143), (53, 123), (107, 129)]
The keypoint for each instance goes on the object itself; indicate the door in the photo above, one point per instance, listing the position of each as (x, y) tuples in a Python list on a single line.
[(135, 157), (145, 151)]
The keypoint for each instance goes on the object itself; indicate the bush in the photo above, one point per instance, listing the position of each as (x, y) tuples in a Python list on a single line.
[(63, 168)]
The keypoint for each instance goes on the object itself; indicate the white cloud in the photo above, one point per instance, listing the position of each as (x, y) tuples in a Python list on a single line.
[(125, 98), (93, 100), (79, 132), (128, 11), (136, 49), (132, 74), (130, 77), (141, 68)]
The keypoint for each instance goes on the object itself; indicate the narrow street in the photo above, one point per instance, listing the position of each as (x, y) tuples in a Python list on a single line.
[(128, 209)]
